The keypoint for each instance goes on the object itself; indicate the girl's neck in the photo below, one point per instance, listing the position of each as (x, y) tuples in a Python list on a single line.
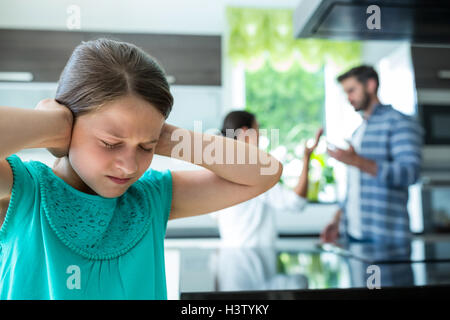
[(63, 169)]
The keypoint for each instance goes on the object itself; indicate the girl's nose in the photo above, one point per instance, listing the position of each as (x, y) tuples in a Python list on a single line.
[(127, 163)]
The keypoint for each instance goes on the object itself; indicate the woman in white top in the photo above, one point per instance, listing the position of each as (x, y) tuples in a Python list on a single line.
[(252, 223)]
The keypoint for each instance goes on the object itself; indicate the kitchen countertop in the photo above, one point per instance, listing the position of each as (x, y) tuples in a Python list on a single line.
[(202, 266)]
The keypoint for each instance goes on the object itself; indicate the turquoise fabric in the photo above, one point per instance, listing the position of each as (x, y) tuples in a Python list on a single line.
[(60, 243)]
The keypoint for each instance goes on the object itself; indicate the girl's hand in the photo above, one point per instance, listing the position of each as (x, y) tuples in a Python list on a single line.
[(163, 144), (60, 145)]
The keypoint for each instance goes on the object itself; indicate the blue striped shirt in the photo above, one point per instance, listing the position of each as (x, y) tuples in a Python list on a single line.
[(394, 141)]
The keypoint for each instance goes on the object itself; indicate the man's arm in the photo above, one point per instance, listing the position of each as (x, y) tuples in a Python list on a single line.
[(405, 148)]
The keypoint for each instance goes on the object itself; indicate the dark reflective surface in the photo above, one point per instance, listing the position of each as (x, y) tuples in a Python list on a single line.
[(312, 267), (411, 251)]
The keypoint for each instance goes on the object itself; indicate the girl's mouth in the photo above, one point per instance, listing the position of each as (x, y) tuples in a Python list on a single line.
[(118, 181)]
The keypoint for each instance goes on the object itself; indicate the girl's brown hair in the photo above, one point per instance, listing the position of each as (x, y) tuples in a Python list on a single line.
[(102, 70)]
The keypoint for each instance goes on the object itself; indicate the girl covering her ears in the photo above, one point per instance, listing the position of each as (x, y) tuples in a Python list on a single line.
[(252, 223), (93, 225)]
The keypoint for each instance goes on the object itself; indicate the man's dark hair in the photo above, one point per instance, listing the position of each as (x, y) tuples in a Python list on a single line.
[(362, 74)]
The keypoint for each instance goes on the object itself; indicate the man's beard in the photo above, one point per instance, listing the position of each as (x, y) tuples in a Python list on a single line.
[(364, 104)]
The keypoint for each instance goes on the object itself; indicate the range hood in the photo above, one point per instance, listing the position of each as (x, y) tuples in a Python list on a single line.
[(419, 21)]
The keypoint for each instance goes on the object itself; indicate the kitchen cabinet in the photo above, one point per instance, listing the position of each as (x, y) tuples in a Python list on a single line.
[(431, 66), (187, 59)]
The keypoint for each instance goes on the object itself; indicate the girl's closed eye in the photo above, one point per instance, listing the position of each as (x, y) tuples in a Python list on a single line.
[(147, 150), (111, 146), (107, 145)]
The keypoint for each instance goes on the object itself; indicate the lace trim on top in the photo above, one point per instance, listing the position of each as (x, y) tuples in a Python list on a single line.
[(93, 226)]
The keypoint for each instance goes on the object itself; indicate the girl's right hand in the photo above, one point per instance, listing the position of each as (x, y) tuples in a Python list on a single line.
[(60, 145)]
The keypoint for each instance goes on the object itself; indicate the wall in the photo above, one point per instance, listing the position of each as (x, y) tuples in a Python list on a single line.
[(201, 17)]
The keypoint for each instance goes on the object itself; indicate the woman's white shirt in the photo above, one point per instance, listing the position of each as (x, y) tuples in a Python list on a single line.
[(252, 223)]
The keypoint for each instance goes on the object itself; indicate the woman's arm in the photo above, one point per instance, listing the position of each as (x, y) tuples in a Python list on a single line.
[(302, 186), (301, 189), (236, 171)]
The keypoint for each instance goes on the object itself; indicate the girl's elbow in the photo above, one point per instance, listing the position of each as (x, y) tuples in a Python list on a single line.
[(275, 176), (267, 179)]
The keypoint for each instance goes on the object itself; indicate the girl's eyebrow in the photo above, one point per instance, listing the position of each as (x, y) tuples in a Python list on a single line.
[(120, 137), (152, 141)]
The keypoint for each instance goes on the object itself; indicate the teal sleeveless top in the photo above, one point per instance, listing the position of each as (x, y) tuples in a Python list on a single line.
[(57, 242)]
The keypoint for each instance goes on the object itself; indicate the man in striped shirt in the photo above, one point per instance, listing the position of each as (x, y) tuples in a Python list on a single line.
[(383, 160)]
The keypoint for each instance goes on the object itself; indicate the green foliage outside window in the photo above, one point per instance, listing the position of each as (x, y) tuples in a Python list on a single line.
[(291, 101)]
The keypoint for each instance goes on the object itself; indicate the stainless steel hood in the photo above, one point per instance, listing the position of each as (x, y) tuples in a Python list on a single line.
[(419, 21)]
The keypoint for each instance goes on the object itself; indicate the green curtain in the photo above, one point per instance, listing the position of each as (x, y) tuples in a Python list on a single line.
[(258, 36)]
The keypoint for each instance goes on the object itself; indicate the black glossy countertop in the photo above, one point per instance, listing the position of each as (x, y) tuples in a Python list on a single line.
[(302, 264)]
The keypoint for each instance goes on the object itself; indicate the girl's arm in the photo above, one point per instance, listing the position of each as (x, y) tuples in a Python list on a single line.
[(49, 125), (236, 171)]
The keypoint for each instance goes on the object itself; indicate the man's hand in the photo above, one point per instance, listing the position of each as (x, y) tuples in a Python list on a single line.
[(348, 156), (330, 233)]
